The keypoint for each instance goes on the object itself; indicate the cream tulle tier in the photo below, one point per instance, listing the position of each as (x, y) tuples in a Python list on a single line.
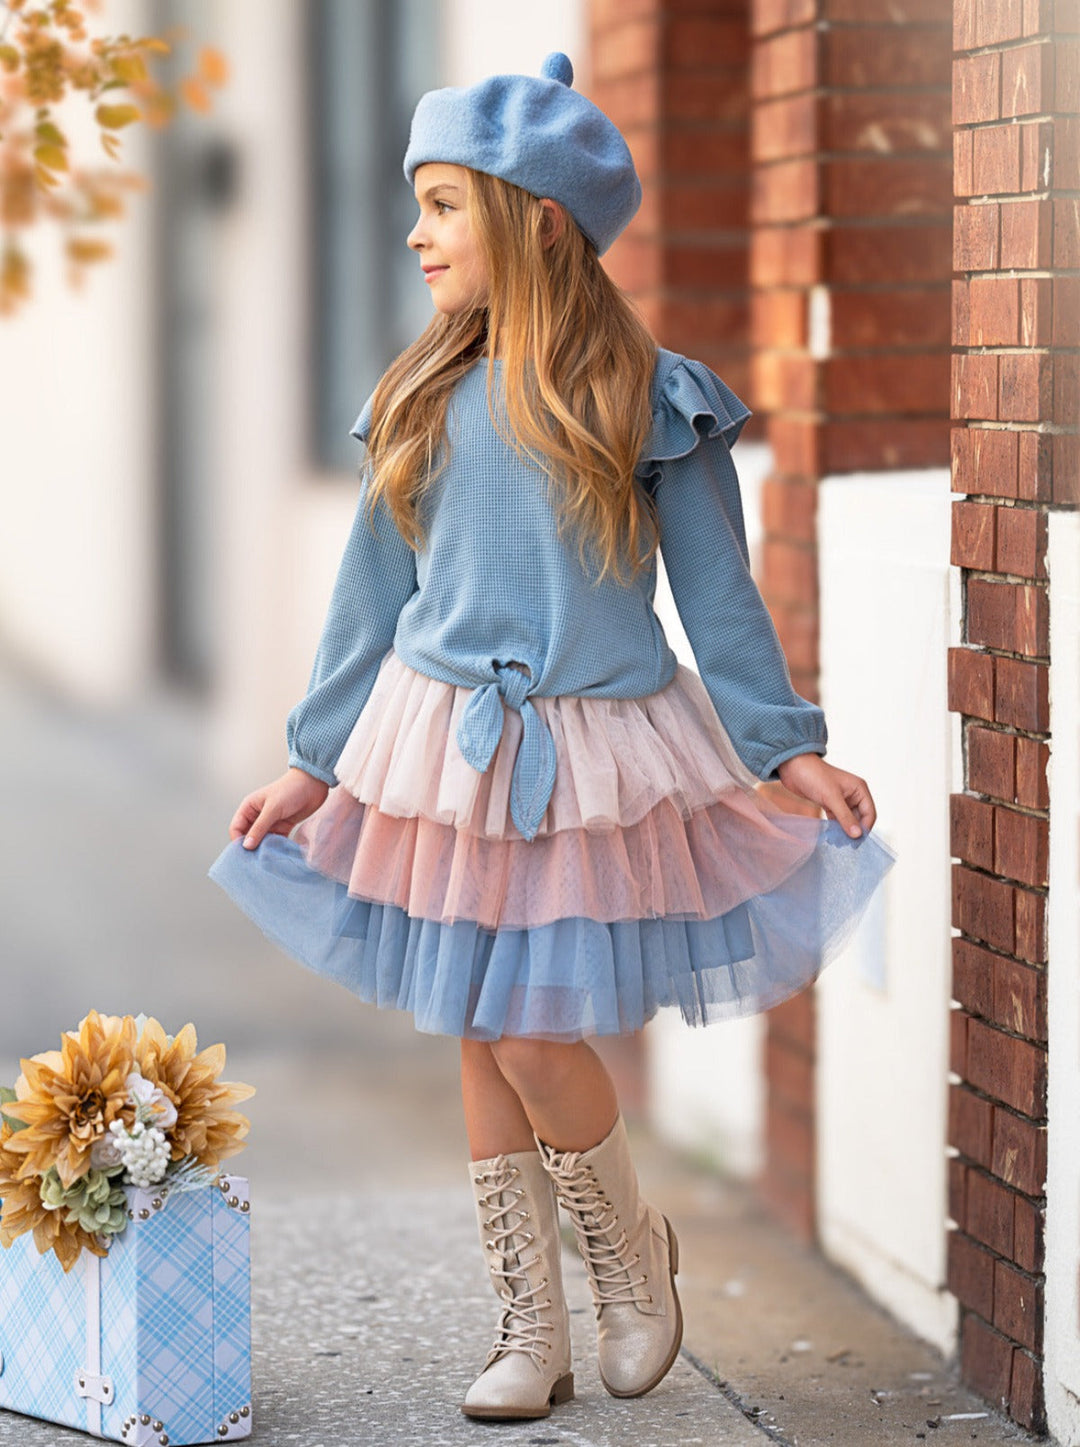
[(659, 875)]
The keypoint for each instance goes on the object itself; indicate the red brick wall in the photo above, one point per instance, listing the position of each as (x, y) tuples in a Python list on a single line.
[(1015, 401), (673, 75), (850, 266)]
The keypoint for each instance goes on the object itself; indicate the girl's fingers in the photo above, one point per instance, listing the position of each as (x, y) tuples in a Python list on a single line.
[(844, 797), (867, 812), (277, 808), (854, 809), (254, 835), (844, 817), (242, 820)]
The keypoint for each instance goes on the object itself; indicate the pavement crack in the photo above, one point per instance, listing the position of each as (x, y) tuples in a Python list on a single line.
[(752, 1414)]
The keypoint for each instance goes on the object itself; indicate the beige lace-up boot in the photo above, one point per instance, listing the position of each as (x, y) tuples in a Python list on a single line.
[(631, 1256), (528, 1367)]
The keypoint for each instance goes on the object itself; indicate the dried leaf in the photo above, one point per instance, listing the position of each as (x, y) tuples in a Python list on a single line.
[(17, 198), (159, 109), (129, 69), (46, 131), (52, 156), (84, 250), (115, 117), (195, 93), (213, 67), (9, 58)]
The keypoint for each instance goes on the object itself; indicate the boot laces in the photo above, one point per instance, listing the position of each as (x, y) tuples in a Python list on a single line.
[(520, 1327), (607, 1256)]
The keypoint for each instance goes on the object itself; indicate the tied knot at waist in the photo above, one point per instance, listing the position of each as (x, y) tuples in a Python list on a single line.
[(481, 729)]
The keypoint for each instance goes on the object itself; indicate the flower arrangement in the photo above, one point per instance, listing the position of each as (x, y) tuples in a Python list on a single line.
[(120, 1103)]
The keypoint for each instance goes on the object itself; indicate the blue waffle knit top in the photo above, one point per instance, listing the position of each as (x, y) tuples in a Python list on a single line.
[(495, 584)]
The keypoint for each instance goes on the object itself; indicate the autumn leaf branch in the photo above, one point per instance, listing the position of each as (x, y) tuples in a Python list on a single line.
[(50, 56)]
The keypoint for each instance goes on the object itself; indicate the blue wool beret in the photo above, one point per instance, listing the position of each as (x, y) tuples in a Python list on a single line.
[(537, 133)]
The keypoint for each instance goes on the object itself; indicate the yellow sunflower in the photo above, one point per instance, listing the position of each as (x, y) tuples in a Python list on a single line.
[(207, 1127), (23, 1211), (68, 1098)]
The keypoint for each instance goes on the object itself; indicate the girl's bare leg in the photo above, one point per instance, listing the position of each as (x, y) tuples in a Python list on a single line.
[(514, 1087), (565, 1091), (494, 1118)]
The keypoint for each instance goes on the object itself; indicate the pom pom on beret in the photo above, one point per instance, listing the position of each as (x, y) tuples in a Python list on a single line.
[(538, 133)]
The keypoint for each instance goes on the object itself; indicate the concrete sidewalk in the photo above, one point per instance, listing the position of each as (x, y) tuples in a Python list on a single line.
[(371, 1315), (371, 1307)]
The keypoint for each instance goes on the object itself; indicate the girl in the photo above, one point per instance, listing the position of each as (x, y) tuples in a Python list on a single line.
[(508, 810)]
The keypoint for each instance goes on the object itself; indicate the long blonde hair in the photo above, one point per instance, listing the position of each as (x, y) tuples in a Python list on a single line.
[(577, 362)]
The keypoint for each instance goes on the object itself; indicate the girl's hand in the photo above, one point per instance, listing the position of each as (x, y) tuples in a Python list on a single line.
[(277, 808), (836, 791)]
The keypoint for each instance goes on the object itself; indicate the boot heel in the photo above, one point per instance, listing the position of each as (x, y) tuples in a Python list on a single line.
[(673, 1247), (563, 1390)]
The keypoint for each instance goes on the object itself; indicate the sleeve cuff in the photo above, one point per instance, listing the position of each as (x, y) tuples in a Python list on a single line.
[(769, 772), (325, 776)]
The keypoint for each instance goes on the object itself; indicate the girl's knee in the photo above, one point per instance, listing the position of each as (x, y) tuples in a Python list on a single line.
[(476, 1052), (531, 1066)]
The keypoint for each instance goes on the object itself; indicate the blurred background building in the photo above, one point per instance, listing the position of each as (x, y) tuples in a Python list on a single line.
[(839, 194)]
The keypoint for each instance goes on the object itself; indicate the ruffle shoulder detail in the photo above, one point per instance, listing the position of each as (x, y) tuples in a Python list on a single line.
[(690, 404), (362, 426)]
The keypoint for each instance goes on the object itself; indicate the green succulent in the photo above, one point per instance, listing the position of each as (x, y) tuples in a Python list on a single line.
[(95, 1201)]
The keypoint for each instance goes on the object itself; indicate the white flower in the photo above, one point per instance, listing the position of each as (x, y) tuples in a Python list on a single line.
[(144, 1152), (152, 1099), (105, 1153)]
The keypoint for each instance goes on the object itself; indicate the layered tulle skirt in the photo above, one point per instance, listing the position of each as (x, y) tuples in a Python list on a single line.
[(659, 874)]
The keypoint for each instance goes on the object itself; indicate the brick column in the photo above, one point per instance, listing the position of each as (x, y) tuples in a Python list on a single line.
[(851, 204), (672, 74), (1016, 396)]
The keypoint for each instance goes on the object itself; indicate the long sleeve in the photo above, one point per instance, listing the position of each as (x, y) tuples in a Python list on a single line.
[(703, 544), (376, 579)]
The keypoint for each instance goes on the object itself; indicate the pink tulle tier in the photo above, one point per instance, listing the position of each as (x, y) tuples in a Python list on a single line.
[(664, 865), (651, 816), (617, 758)]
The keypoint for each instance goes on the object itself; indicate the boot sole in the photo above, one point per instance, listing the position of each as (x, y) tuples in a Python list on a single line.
[(562, 1391), (658, 1377)]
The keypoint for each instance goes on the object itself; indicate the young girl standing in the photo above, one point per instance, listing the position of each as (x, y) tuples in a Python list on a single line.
[(508, 809)]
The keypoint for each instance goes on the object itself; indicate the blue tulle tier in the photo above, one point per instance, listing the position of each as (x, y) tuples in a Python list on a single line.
[(572, 978)]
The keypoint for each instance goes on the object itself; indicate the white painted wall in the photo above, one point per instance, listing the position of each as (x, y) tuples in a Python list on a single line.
[(889, 609), (75, 583), (1062, 1335), (706, 1087), (263, 576), (488, 37)]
